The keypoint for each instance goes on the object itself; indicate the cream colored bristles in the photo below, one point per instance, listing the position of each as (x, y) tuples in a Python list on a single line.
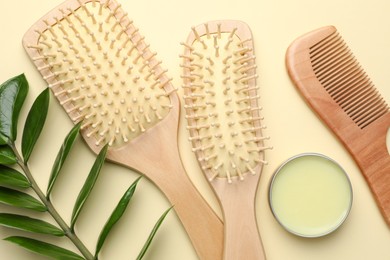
[(102, 75), (220, 95)]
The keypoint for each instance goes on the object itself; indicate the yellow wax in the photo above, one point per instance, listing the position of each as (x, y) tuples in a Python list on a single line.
[(310, 195)]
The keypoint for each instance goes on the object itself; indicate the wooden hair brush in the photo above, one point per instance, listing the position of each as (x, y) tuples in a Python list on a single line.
[(336, 87), (224, 122), (103, 73)]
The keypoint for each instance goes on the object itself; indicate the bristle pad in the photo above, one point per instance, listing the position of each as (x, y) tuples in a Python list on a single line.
[(345, 81), (101, 71), (222, 105)]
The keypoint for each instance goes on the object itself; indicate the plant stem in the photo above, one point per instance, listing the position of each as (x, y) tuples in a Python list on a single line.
[(50, 208)]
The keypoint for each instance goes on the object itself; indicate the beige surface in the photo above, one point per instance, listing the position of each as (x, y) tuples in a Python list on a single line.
[(292, 125)]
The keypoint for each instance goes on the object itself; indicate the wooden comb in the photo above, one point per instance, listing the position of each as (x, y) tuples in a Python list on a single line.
[(329, 77)]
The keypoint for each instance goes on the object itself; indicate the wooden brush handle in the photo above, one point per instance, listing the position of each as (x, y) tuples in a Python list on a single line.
[(203, 227), (242, 238), (156, 155)]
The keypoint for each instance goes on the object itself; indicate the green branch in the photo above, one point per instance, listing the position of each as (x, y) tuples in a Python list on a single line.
[(50, 208)]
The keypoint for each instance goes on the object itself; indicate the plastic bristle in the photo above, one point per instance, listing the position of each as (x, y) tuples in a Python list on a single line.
[(346, 82), (221, 102), (103, 73)]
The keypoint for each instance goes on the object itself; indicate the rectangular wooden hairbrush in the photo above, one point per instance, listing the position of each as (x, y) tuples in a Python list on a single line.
[(103, 73), (339, 91)]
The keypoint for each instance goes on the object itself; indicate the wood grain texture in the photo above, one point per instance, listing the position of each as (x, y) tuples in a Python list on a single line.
[(154, 153), (367, 143)]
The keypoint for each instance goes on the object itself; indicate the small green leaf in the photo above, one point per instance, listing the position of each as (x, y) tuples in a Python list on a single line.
[(12, 95), (34, 123), (3, 139), (88, 185), (44, 248), (13, 178), (20, 199), (62, 155), (116, 215), (29, 224), (152, 234), (7, 156)]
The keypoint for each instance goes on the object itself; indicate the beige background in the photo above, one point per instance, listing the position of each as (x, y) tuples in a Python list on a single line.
[(293, 127)]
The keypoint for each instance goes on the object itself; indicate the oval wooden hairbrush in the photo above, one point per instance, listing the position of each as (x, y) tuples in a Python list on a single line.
[(224, 123), (103, 73), (339, 91)]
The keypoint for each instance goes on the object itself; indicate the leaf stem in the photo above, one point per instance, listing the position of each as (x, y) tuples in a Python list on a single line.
[(50, 208)]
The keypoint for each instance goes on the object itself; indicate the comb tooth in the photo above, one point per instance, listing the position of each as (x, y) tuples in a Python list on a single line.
[(370, 108), (368, 118), (355, 100), (327, 52), (333, 59), (323, 44), (365, 100), (337, 47), (342, 77), (380, 111), (348, 100), (339, 86)]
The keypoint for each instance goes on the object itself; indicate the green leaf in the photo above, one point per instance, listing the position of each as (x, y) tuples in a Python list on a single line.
[(152, 234), (62, 155), (20, 199), (13, 178), (44, 248), (3, 139), (7, 156), (29, 224), (34, 123), (116, 215), (12, 95), (88, 185)]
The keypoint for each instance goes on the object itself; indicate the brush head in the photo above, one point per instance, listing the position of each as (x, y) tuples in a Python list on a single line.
[(101, 70), (221, 100)]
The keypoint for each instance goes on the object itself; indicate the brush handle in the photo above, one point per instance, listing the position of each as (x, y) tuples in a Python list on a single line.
[(242, 238), (203, 227), (156, 155)]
